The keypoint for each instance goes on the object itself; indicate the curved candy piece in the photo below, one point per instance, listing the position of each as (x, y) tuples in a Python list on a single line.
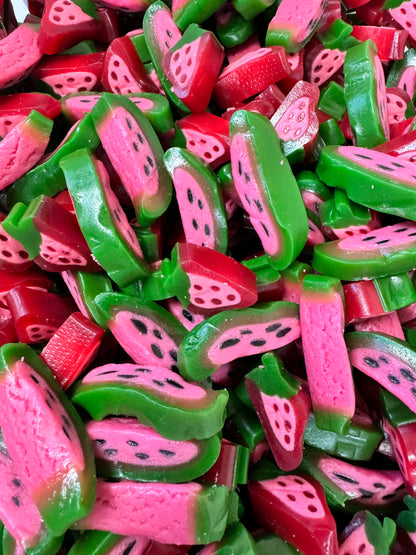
[(135, 153), (156, 396), (145, 330), (190, 513), (199, 199), (102, 220), (381, 252), (61, 477), (97, 542), (19, 53), (232, 334), (125, 448), (366, 530), (267, 188)]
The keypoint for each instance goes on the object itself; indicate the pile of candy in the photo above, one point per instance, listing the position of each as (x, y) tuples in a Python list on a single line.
[(207, 289)]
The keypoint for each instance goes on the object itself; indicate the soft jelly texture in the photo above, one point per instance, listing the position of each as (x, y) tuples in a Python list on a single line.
[(281, 418), (398, 235), (64, 12)]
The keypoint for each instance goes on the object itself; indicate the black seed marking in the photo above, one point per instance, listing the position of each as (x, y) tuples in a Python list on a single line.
[(400, 230), (387, 168), (266, 231), (379, 485), (140, 138), (158, 382), (229, 343), (246, 332), (258, 342), (200, 204), (106, 372), (174, 383), (368, 238), (283, 332), (207, 230), (407, 374), (127, 376), (371, 362), (139, 325), (259, 205), (246, 177), (100, 441), (129, 124), (136, 147), (273, 327), (383, 359), (48, 403), (150, 161), (362, 156), (117, 215), (146, 170), (34, 378), (16, 500), (169, 34), (17, 482), (174, 355), (110, 452), (240, 168), (365, 493), (397, 165), (157, 334), (247, 199), (383, 241), (87, 101), (156, 350), (66, 420), (132, 443), (66, 432), (142, 456), (393, 379), (413, 390), (50, 394), (129, 548), (195, 224), (412, 234), (143, 370), (174, 368), (167, 44), (167, 453), (187, 315), (190, 196)]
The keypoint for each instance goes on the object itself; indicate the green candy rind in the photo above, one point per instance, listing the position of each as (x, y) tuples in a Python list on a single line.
[(193, 359), (61, 509), (396, 412), (340, 211), (280, 191), (234, 31), (195, 11), (211, 514), (176, 158), (96, 222), (273, 379), (48, 178), (360, 91), (208, 451), (269, 544), (236, 539), (19, 224), (89, 286), (380, 536), (48, 544), (95, 542), (395, 291), (148, 206)]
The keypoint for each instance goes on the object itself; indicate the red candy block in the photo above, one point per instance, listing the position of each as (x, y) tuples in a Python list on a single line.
[(390, 42), (72, 347), (33, 278), (37, 317)]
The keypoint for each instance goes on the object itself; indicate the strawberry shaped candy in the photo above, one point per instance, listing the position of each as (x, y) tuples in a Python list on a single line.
[(192, 66), (51, 235), (199, 199), (267, 188), (294, 508), (102, 220), (233, 334), (296, 121), (158, 397), (65, 23), (23, 147), (135, 153), (203, 278), (123, 71), (283, 408), (125, 448), (62, 482)]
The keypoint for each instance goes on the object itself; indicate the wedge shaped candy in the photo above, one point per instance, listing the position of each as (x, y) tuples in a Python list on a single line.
[(267, 187), (156, 396), (46, 439)]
